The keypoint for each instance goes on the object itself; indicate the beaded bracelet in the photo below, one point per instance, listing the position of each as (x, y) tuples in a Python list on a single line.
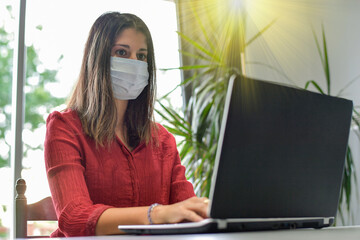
[(151, 208)]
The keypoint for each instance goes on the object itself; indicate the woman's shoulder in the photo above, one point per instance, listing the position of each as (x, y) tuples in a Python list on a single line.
[(162, 131), (67, 117), (163, 135)]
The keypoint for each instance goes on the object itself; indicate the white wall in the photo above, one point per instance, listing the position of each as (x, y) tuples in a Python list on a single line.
[(289, 46), (289, 43)]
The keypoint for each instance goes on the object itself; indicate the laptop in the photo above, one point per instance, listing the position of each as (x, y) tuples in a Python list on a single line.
[(279, 162)]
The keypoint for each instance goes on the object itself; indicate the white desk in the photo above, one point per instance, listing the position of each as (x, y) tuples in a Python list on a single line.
[(333, 233)]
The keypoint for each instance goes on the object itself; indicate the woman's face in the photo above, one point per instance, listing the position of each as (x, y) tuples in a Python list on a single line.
[(130, 44)]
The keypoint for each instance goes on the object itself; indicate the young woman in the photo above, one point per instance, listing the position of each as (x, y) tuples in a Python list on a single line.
[(107, 161)]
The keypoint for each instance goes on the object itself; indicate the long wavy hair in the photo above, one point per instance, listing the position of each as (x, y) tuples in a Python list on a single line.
[(93, 97)]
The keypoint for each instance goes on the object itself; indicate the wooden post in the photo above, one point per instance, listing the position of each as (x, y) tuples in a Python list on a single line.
[(21, 209)]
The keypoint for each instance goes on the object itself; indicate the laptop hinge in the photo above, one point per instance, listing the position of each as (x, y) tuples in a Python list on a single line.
[(222, 224)]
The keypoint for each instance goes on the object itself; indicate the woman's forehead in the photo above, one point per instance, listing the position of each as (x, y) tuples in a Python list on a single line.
[(131, 36)]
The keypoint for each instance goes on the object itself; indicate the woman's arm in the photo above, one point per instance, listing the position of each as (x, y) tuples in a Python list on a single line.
[(77, 214), (193, 210)]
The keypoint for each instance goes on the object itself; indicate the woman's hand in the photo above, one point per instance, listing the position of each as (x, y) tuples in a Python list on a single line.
[(190, 210)]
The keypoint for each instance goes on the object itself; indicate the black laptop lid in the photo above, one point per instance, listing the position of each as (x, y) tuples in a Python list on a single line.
[(281, 152)]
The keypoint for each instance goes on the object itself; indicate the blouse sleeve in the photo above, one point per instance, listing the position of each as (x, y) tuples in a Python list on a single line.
[(180, 188), (77, 215)]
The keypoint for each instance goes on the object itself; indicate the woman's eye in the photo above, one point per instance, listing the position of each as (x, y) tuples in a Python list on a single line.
[(121, 52), (142, 57)]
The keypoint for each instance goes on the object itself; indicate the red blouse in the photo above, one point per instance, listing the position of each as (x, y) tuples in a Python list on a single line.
[(85, 180)]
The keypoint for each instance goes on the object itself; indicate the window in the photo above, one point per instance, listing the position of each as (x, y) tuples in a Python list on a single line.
[(7, 28)]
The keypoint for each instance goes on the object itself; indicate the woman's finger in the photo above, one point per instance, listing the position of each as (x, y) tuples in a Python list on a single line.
[(200, 206), (192, 216)]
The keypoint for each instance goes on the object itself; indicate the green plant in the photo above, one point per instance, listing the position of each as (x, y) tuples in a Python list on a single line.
[(216, 59), (349, 171)]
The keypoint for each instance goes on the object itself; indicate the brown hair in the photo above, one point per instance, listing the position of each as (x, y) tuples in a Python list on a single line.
[(93, 97)]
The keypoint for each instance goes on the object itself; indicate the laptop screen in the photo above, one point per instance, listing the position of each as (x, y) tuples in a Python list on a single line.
[(281, 152)]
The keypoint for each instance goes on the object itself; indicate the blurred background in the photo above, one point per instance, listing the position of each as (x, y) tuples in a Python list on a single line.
[(276, 40)]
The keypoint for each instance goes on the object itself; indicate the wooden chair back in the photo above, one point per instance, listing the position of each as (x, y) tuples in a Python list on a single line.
[(42, 210)]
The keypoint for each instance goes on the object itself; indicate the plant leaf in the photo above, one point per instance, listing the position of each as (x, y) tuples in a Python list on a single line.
[(315, 85), (318, 48), (195, 56), (326, 60), (199, 46), (189, 67), (203, 30), (272, 68), (260, 32)]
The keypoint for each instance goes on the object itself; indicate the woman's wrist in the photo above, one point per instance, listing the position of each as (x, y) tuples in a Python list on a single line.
[(153, 213)]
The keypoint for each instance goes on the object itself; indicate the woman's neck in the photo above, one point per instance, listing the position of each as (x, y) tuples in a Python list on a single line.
[(121, 106), (120, 130)]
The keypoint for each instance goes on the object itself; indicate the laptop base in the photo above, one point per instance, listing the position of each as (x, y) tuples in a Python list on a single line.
[(230, 225)]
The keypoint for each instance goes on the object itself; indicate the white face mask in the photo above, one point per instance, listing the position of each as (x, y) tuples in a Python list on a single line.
[(129, 77)]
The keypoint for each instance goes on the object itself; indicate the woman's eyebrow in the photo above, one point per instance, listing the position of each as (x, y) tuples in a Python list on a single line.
[(128, 47), (122, 45)]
